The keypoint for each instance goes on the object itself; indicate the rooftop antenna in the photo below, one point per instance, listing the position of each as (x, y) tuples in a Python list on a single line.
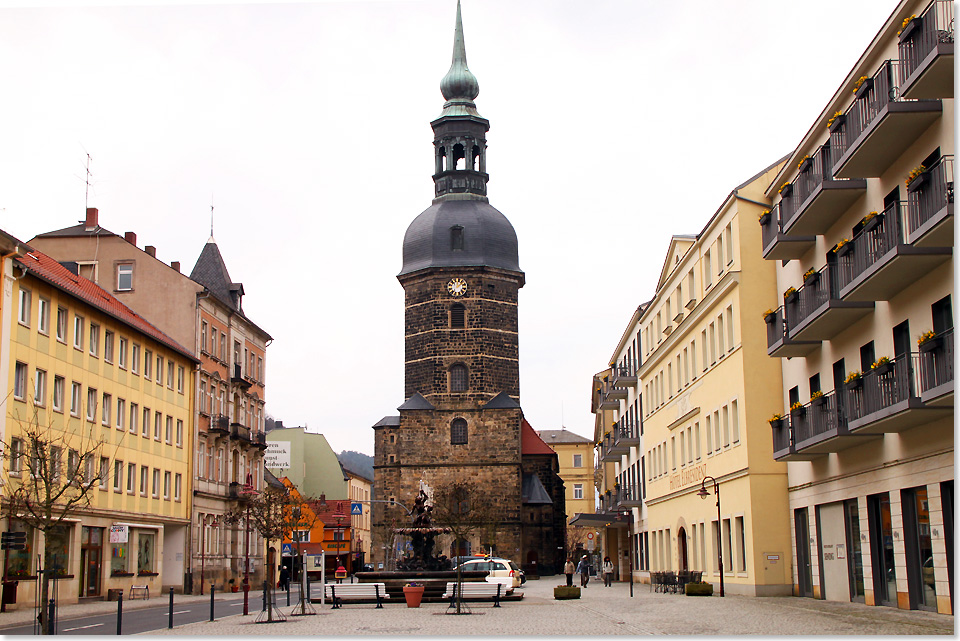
[(211, 218), (86, 196), (562, 423)]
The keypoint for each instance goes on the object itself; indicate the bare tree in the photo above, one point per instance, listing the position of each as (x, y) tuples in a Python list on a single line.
[(463, 508), (53, 470)]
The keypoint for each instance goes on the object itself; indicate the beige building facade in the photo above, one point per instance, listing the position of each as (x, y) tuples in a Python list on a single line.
[(359, 489), (861, 234), (575, 454)]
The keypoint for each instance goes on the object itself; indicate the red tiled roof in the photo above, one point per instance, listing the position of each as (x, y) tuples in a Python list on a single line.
[(530, 442), (47, 269)]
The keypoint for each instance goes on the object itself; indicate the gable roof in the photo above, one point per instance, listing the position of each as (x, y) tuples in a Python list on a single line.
[(211, 272), (501, 401), (417, 402), (532, 491), (679, 244), (47, 269), (530, 443), (561, 436)]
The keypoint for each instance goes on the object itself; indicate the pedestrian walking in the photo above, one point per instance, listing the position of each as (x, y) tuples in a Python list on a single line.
[(607, 572), (584, 569), (284, 578), (569, 569)]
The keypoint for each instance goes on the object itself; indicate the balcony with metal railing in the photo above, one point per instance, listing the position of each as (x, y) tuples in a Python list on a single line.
[(820, 426), (930, 206), (879, 264), (879, 126), (624, 376), (238, 377), (626, 434), (607, 453), (926, 53), (817, 199), (816, 312), (629, 496), (936, 370), (240, 432), (779, 343), (220, 424), (783, 444), (776, 244), (886, 399)]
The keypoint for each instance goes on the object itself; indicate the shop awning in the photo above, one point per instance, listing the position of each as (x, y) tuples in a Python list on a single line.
[(602, 520)]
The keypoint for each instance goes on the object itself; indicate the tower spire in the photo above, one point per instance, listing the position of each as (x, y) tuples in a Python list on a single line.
[(459, 87)]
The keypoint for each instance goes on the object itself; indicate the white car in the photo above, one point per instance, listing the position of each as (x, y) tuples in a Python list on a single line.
[(497, 568)]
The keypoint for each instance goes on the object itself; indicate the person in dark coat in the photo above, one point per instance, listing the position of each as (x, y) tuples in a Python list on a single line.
[(284, 578), (584, 569)]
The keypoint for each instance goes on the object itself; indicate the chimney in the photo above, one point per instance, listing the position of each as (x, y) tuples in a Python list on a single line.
[(151, 250), (92, 216), (130, 237), (176, 265)]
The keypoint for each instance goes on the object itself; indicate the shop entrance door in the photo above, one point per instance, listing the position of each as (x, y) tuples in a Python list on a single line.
[(804, 571), (881, 550), (91, 556), (682, 549)]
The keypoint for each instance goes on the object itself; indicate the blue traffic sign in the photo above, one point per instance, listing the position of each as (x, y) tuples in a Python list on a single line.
[(356, 509), (287, 549)]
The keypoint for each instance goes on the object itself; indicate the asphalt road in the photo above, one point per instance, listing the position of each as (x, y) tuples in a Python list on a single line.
[(154, 618)]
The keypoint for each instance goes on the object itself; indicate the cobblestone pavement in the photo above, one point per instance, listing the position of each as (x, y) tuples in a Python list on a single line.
[(599, 611)]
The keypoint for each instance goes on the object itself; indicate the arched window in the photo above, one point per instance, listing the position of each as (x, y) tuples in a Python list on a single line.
[(458, 378), (456, 237), (458, 316), (458, 432)]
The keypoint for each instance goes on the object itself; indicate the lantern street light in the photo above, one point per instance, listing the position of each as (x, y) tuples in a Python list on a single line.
[(339, 516), (703, 493), (247, 492), (203, 531)]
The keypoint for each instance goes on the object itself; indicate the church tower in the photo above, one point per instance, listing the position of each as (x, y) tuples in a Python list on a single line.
[(461, 279)]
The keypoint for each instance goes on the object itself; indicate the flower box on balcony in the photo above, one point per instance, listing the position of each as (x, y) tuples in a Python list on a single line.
[(836, 123), (811, 279), (911, 27), (804, 164), (931, 344), (819, 401), (786, 190), (918, 181), (872, 222), (864, 87), (854, 383), (844, 249), (884, 369), (769, 317), (765, 217), (777, 422), (790, 295)]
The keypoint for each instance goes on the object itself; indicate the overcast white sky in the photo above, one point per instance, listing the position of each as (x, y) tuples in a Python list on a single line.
[(614, 124)]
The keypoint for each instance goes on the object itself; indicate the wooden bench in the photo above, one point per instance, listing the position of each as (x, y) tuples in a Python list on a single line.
[(355, 591), (475, 590), (141, 591)]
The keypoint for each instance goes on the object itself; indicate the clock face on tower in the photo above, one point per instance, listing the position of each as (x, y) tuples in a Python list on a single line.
[(457, 287)]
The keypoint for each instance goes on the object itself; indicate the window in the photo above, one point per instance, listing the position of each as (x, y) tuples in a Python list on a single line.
[(203, 397), (203, 336), (108, 346), (131, 478), (121, 413), (134, 415), (91, 404), (145, 553), (156, 483), (94, 339), (104, 467), (16, 456), (458, 316), (135, 359), (578, 490), (117, 475), (458, 432), (159, 369), (223, 346), (741, 544), (166, 485), (143, 480), (124, 277), (74, 398), (43, 316), (260, 369), (78, 332), (23, 316), (168, 431), (145, 425), (578, 460), (177, 485), (61, 324), (122, 354), (202, 461), (456, 238), (107, 400), (179, 433), (40, 388), (147, 364), (180, 378), (170, 374), (458, 378), (157, 422), (735, 420), (20, 381)]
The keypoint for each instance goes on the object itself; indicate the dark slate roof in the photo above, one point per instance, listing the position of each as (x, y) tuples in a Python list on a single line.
[(272, 480), (533, 492), (388, 421), (417, 402), (562, 436), (78, 230), (488, 238), (211, 272), (501, 401)]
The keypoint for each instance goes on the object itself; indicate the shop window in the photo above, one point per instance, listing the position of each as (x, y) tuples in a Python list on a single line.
[(145, 553)]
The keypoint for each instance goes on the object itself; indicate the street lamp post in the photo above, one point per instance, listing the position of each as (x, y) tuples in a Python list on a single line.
[(703, 493), (339, 516), (627, 515)]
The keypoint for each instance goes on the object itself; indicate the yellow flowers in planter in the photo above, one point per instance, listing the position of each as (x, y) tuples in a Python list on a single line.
[(834, 118), (810, 272), (776, 417), (926, 336), (916, 171), (796, 406), (852, 376), (765, 212), (803, 160), (790, 292), (841, 243), (768, 313), (816, 395), (859, 83), (784, 186), (880, 362), (906, 21)]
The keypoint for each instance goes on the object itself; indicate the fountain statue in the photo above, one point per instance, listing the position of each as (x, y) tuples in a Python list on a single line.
[(422, 535)]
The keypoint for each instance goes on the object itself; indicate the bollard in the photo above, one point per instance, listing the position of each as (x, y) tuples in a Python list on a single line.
[(51, 617), (264, 596), (119, 611), (211, 602), (170, 620), (288, 594)]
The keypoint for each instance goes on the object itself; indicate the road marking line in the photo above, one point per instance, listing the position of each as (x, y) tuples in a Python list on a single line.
[(183, 612), (83, 627)]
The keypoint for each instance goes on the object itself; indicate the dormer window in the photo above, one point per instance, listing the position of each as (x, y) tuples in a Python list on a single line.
[(456, 238)]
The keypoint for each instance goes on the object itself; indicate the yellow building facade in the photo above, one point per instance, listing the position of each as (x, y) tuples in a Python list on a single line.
[(95, 377), (575, 454)]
